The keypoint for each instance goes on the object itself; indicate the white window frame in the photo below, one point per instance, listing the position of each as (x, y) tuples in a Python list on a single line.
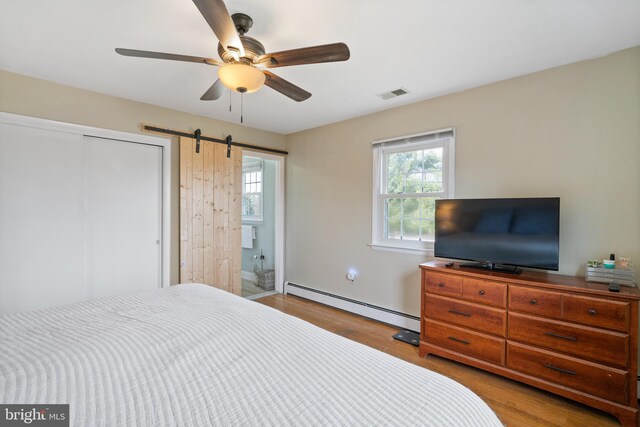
[(444, 138), (247, 169)]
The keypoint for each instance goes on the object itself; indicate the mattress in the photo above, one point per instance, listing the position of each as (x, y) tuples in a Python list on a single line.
[(192, 355)]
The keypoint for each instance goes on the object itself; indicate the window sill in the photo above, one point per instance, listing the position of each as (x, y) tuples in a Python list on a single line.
[(252, 221), (401, 249)]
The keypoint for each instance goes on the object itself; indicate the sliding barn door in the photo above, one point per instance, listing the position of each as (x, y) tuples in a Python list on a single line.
[(210, 215)]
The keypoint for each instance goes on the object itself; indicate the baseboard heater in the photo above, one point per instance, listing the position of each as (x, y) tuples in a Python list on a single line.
[(381, 314)]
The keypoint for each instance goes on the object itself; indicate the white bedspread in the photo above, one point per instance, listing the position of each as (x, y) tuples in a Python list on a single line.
[(192, 355)]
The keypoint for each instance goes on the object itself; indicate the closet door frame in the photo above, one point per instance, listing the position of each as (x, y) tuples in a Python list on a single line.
[(164, 143)]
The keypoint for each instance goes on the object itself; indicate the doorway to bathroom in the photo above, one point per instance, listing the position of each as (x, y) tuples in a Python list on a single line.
[(262, 224)]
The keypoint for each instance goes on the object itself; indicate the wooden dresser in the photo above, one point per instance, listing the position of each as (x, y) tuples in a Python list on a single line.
[(559, 333)]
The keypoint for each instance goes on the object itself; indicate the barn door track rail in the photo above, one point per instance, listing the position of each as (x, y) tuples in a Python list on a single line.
[(197, 135)]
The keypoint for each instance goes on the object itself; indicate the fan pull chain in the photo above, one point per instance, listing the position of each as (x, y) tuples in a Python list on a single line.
[(229, 101), (241, 107)]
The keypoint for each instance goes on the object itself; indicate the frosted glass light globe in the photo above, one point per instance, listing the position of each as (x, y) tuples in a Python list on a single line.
[(241, 77)]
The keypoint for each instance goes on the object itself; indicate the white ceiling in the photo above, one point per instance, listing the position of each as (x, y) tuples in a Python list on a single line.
[(430, 47)]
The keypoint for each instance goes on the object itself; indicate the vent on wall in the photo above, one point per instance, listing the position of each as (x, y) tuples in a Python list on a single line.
[(394, 93)]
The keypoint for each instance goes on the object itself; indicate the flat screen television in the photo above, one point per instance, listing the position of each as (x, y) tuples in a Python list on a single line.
[(522, 232)]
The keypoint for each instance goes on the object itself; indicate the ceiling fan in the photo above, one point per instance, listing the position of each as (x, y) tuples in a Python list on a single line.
[(243, 57)]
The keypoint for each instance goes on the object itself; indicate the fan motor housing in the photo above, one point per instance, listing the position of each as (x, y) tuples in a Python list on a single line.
[(253, 50)]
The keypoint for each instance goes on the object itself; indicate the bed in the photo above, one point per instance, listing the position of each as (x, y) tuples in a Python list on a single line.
[(192, 355)]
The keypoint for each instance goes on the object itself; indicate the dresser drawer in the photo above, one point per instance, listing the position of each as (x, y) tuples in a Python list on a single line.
[(597, 312), (485, 292), (481, 317), (611, 348), (443, 284), (592, 378), (535, 301), (463, 341)]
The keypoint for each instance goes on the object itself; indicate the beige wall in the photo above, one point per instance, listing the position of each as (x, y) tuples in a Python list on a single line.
[(571, 131), (39, 98)]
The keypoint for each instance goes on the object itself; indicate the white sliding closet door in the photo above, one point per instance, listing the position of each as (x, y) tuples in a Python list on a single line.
[(80, 216), (123, 216), (41, 205)]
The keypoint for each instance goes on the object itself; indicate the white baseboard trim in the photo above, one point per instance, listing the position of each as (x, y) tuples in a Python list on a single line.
[(380, 314), (247, 275)]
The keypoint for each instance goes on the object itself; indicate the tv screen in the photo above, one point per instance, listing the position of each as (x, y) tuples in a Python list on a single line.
[(513, 232)]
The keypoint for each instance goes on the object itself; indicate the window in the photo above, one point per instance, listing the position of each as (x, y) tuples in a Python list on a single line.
[(410, 174), (252, 192)]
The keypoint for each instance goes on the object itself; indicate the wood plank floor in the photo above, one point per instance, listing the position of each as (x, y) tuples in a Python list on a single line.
[(515, 404)]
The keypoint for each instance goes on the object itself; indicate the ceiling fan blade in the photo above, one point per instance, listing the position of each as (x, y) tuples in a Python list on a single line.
[(307, 55), (284, 87), (218, 18), (214, 92), (170, 56)]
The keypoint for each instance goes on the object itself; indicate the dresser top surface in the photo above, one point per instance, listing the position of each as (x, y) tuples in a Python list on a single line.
[(533, 278)]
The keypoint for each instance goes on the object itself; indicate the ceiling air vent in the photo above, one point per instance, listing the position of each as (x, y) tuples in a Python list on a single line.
[(394, 93)]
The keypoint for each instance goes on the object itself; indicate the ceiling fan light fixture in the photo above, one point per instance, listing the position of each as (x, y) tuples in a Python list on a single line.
[(242, 78)]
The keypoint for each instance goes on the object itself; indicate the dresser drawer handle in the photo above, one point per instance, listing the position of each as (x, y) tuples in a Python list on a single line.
[(481, 292), (441, 285), (461, 313), (592, 311), (564, 337), (459, 340), (555, 368), (533, 302)]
